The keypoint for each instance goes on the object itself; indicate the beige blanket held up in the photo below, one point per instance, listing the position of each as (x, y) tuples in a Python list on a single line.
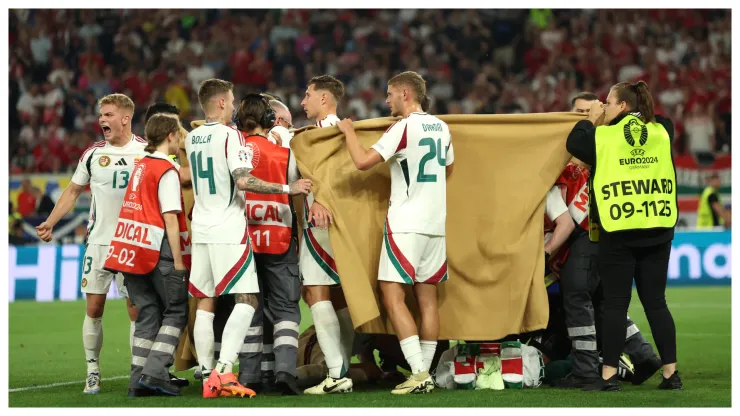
[(504, 165)]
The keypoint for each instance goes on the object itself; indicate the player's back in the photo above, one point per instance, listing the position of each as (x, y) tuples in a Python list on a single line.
[(219, 210), (418, 175)]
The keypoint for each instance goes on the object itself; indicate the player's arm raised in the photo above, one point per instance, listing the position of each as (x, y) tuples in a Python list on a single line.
[(364, 159), (247, 182), (64, 205)]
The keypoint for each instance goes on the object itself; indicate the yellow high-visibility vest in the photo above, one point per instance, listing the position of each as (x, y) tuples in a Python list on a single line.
[(634, 182)]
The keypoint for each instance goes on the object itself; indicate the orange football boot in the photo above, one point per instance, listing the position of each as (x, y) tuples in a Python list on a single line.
[(229, 384)]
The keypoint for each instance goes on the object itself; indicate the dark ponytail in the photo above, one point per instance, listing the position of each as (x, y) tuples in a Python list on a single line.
[(638, 98), (249, 112)]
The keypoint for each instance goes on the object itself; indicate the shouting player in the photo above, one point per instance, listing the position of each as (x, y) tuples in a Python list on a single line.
[(420, 150), (334, 329), (222, 253), (106, 166)]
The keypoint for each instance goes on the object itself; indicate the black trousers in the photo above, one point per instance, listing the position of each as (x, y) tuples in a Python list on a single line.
[(162, 300), (578, 281), (618, 265)]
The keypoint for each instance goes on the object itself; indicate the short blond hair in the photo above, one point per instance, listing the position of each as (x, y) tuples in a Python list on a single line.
[(121, 101), (414, 81)]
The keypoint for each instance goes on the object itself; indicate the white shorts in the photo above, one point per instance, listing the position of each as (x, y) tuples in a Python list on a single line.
[(316, 259), (95, 279), (413, 258), (222, 269)]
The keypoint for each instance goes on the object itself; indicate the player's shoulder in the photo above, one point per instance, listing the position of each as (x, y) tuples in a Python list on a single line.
[(398, 125), (138, 142), (91, 149)]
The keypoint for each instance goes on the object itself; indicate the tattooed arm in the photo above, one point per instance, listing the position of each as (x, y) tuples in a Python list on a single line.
[(247, 182)]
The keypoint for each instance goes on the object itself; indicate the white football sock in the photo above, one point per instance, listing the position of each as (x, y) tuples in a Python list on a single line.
[(412, 351), (131, 336), (346, 335), (428, 348), (233, 338), (327, 332), (92, 341), (204, 340)]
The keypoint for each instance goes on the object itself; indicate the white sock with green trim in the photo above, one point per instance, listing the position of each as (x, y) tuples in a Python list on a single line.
[(328, 333)]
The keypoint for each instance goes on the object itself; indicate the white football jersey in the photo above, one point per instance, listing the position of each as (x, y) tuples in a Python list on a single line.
[(214, 151), (107, 169), (419, 148), (328, 121)]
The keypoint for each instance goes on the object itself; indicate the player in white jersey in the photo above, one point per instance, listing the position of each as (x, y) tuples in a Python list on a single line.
[(221, 253), (106, 166), (419, 149), (334, 329)]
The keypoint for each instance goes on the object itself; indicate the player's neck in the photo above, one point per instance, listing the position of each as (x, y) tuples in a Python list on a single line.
[(413, 108), (325, 112), (123, 140), (214, 118)]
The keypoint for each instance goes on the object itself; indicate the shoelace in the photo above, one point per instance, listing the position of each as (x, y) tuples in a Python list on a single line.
[(92, 379)]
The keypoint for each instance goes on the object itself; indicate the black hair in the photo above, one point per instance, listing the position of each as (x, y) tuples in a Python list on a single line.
[(160, 108)]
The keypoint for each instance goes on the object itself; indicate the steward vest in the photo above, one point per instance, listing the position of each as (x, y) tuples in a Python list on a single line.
[(140, 231), (704, 214), (634, 181), (270, 216)]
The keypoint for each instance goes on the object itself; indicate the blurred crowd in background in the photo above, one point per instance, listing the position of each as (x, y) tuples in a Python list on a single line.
[(474, 61)]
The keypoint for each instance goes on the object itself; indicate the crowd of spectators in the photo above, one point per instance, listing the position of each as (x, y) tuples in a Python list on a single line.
[(474, 61)]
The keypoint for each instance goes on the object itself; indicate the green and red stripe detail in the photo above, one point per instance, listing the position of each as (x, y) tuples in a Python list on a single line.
[(235, 273), (399, 261), (324, 260), (440, 276)]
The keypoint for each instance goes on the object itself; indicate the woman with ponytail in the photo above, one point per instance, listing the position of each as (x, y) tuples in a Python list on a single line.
[(633, 214)]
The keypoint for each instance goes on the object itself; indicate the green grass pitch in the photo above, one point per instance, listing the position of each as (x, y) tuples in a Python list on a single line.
[(45, 348)]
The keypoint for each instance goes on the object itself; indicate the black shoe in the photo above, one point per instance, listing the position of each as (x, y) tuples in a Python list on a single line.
[(612, 384), (646, 369), (179, 382), (140, 392), (574, 382), (286, 384), (671, 383), (162, 386)]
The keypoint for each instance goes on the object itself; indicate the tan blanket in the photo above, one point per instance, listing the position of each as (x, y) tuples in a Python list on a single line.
[(504, 165)]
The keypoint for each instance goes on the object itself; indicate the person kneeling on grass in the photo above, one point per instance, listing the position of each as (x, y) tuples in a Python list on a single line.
[(151, 247)]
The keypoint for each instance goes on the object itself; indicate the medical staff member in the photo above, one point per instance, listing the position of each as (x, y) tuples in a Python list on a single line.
[(633, 211)]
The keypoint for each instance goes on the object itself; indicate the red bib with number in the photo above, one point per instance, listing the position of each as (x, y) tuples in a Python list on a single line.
[(140, 230), (270, 216)]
